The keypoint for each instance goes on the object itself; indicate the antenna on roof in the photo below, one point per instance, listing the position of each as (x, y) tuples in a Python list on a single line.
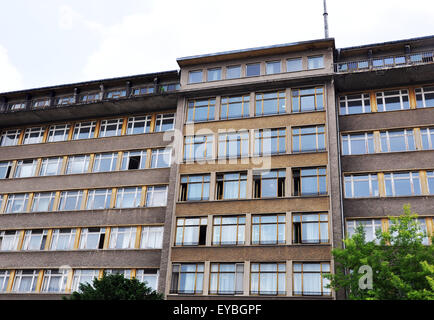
[(326, 24)]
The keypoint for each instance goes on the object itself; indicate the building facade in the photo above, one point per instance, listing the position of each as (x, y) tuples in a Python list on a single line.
[(231, 178)]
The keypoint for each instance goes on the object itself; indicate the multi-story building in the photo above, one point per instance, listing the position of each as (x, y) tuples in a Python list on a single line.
[(231, 178)]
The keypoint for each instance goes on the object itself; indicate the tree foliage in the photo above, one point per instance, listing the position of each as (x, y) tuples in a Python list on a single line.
[(115, 287), (402, 266)]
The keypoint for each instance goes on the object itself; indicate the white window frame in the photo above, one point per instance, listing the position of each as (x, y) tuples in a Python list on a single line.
[(373, 224), (31, 238), (25, 164), (150, 196), (143, 274), (132, 121), (362, 97), (383, 95), (90, 201), (57, 234), (151, 237), (391, 176), (159, 156), (33, 140), (161, 118), (429, 132), (9, 241), (122, 192), (82, 276), (78, 127), (81, 161), (63, 128), (8, 133), (19, 275), (111, 156), (367, 136), (117, 123), (4, 279), (128, 239), (12, 198), (47, 162), (84, 235), (126, 157), (38, 196), (370, 178), (64, 195), (421, 92), (51, 275), (406, 133)]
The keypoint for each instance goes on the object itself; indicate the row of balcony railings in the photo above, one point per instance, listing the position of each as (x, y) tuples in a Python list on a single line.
[(378, 63), (85, 98)]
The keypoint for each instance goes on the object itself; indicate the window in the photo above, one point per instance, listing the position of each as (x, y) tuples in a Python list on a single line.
[(422, 228), (105, 162), (43, 201), (62, 101), (9, 240), (148, 276), (269, 141), (272, 67), (226, 278), (360, 186), (200, 110), (253, 69), (77, 164), (310, 228), (70, 200), (90, 97), (190, 231), (198, 147), (16, 106), (392, 100), (139, 125), (354, 104), (233, 144), (187, 278), (228, 230), (122, 238), (34, 240), (397, 140), (111, 128), (4, 280), (195, 76), (33, 135), (427, 138), (169, 87), (142, 90), (370, 226), (5, 169), (54, 280), (125, 272), (83, 276), (98, 199), (430, 178), (194, 188), (128, 197), (270, 103), (231, 186), (134, 160), (51, 166), (294, 65), (233, 72), (17, 203), (315, 62), (268, 229), (152, 238), (156, 196), (10, 137), (41, 103), (25, 168), (214, 74), (309, 99), (92, 238), (164, 122), (424, 97), (361, 143), (309, 280), (84, 130), (402, 184), (268, 278), (161, 158), (269, 184), (309, 181), (116, 94), (58, 133), (62, 239), (308, 139), (235, 107), (25, 281)]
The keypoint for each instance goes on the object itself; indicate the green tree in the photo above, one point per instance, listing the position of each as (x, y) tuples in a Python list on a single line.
[(400, 266), (115, 287)]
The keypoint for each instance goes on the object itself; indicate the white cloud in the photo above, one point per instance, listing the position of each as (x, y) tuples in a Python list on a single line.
[(10, 77)]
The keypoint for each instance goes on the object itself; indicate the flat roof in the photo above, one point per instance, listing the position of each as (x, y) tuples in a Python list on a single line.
[(256, 51)]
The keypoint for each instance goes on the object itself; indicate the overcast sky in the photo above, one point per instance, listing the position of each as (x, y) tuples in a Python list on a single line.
[(51, 42)]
